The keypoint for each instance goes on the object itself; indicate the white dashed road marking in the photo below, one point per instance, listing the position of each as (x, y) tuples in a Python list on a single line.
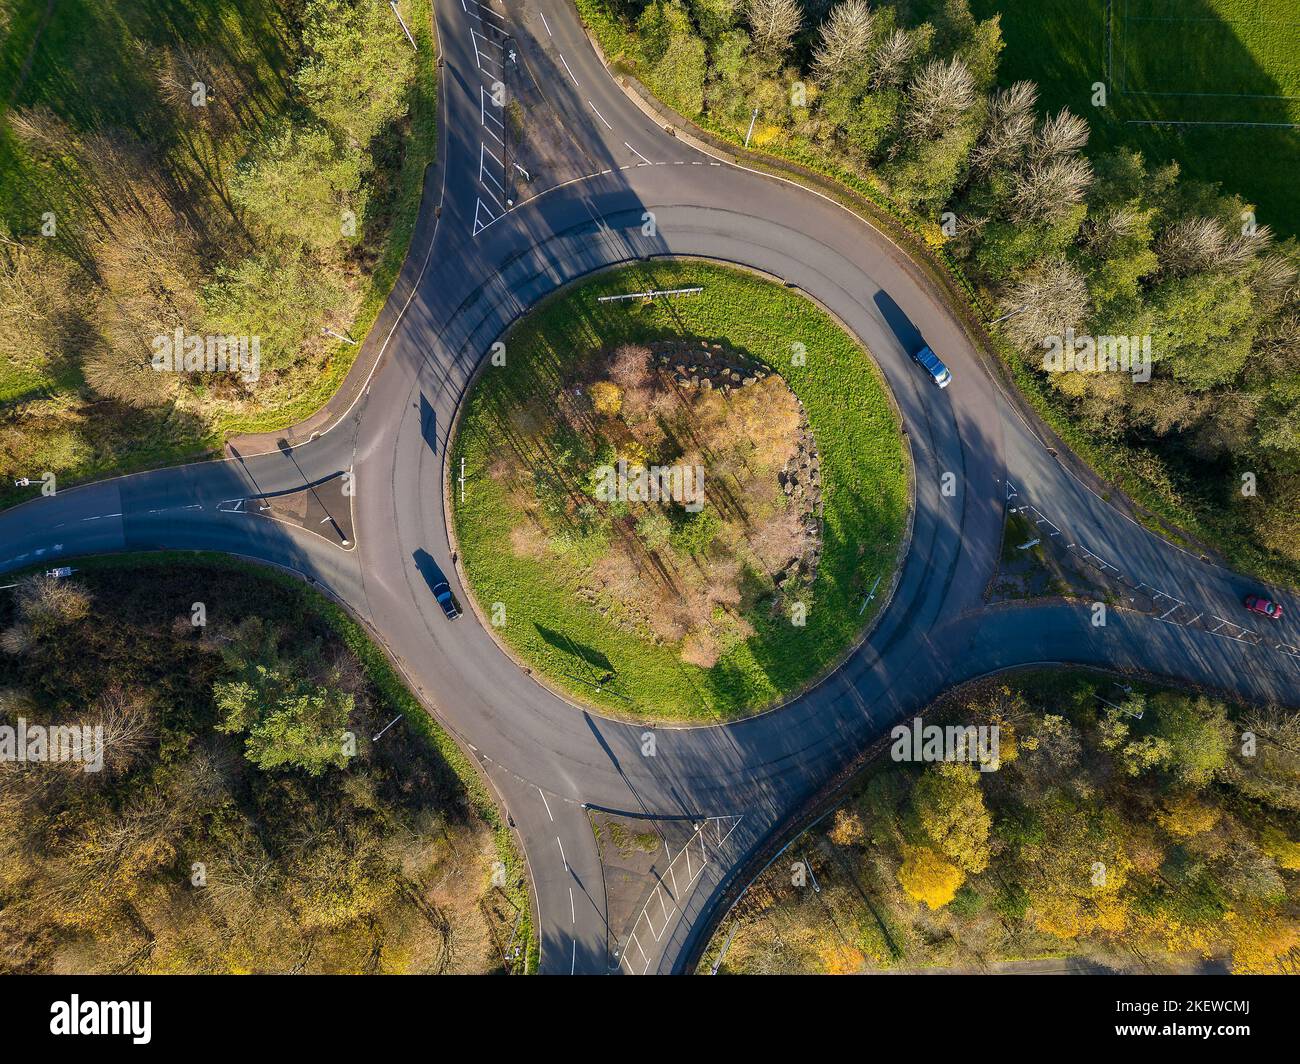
[(566, 67)]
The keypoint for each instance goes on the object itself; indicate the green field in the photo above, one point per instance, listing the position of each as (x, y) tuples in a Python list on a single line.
[(865, 472), (1228, 71)]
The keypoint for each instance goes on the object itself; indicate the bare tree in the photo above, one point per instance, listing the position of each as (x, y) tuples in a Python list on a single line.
[(845, 40), (1060, 134), (16, 640), (1101, 232), (147, 261), (1047, 300), (1278, 725), (1275, 279), (1192, 244), (774, 24), (42, 132), (1244, 248), (938, 96), (890, 59), (45, 602), (127, 723), (1046, 191), (41, 293), (1010, 127)]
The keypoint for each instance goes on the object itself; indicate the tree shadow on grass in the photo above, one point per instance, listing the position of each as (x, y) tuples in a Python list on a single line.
[(588, 655)]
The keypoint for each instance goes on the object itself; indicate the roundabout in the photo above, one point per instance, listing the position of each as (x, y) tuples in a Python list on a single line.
[(721, 797), (688, 609)]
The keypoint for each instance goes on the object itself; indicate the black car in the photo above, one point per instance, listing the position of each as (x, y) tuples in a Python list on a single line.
[(442, 592)]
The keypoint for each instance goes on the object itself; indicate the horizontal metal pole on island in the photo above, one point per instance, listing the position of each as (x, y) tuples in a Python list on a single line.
[(651, 295)]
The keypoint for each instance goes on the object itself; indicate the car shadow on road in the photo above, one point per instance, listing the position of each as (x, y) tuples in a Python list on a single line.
[(899, 323), (429, 569)]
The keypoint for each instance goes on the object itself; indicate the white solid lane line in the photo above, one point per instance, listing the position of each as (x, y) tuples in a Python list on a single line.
[(636, 153), (599, 115)]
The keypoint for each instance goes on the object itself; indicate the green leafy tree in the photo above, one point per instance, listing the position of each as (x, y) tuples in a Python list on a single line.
[(654, 529), (1199, 735), (302, 186), (359, 66), (949, 808), (675, 55), (290, 724), (290, 721), (695, 532), (280, 298), (714, 17)]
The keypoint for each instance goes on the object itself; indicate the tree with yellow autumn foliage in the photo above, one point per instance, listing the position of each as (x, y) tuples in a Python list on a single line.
[(848, 829), (1186, 815), (949, 808), (926, 877), (606, 397)]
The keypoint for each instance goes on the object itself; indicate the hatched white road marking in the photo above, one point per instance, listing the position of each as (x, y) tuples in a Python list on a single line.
[(656, 915)]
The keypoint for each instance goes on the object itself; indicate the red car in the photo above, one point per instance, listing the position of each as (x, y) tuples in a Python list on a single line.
[(1264, 607)]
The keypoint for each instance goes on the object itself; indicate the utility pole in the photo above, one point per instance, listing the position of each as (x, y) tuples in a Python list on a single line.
[(337, 336), (386, 727), (870, 596), (1009, 314), (752, 119), (817, 887), (402, 22)]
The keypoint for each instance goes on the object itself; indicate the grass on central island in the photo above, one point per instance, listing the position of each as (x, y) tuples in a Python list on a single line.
[(573, 640)]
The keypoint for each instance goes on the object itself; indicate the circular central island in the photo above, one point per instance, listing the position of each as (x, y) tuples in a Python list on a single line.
[(682, 482)]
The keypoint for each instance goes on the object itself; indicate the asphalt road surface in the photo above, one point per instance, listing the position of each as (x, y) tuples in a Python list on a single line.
[(491, 242)]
